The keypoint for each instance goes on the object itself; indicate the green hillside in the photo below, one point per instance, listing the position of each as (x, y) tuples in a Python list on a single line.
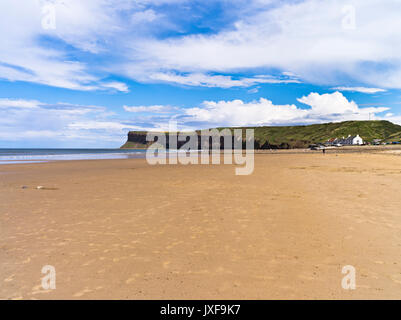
[(300, 136), (303, 136)]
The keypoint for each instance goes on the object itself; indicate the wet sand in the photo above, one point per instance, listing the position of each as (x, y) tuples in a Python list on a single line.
[(121, 229)]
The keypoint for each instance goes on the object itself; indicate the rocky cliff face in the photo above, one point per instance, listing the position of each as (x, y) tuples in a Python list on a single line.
[(137, 140)]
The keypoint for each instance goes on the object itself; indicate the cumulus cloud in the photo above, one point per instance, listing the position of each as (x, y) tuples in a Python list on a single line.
[(334, 103), (322, 108), (238, 113)]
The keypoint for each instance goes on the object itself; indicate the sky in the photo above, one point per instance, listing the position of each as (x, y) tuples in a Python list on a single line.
[(81, 74)]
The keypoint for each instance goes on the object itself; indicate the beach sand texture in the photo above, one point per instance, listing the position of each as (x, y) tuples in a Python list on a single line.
[(122, 229)]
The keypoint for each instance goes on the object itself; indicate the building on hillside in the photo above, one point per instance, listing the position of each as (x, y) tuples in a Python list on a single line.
[(350, 140)]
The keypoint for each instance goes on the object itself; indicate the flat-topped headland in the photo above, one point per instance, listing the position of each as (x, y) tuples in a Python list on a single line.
[(298, 137)]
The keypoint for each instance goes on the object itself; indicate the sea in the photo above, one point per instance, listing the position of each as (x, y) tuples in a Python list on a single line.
[(8, 156)]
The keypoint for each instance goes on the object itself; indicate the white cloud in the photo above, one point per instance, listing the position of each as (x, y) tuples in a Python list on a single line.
[(145, 16), (28, 52), (360, 89), (238, 113), (204, 80), (154, 109), (305, 38), (100, 125), (119, 86), (60, 124), (254, 90), (334, 103), (323, 108), (19, 103)]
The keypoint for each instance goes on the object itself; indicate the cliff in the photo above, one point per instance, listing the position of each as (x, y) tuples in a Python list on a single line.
[(288, 137), (136, 140)]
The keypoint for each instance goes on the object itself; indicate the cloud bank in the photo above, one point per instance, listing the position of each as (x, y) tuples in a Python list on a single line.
[(321, 108), (323, 42), (61, 124)]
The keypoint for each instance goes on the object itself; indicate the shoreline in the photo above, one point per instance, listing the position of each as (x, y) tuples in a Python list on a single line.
[(142, 155)]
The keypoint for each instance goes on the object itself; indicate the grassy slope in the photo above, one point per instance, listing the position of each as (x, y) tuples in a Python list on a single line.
[(317, 133)]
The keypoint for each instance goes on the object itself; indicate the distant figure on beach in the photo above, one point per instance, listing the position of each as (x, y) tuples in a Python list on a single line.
[(324, 151)]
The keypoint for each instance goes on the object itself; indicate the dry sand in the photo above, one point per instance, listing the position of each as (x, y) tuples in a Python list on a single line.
[(122, 229)]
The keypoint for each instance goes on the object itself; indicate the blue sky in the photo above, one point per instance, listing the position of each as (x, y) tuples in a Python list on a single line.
[(83, 73)]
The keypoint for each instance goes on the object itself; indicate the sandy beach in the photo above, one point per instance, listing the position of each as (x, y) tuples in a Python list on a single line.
[(122, 229)]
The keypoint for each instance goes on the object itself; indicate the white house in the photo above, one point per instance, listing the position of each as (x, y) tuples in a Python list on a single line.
[(350, 140), (357, 140)]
